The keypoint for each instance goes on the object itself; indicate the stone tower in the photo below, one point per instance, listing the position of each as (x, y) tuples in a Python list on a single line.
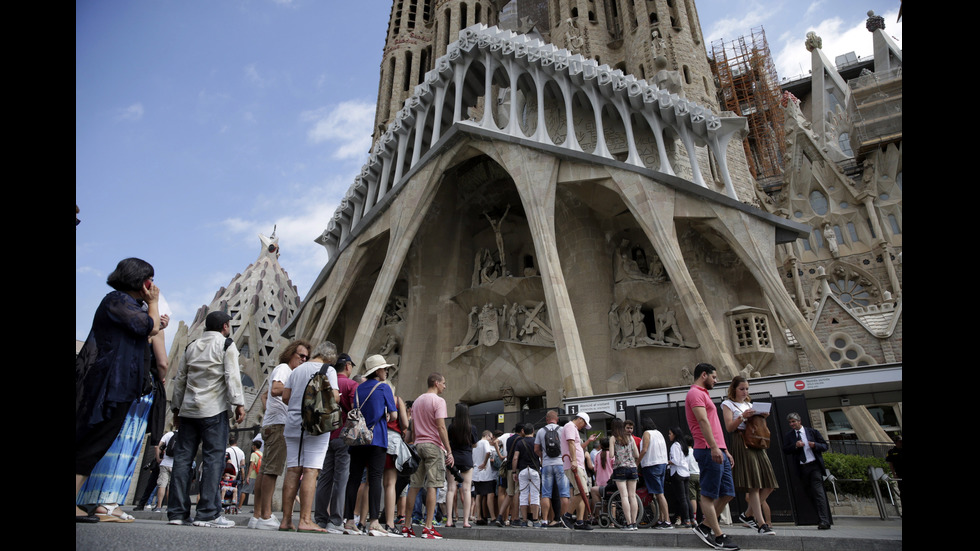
[(658, 41), (260, 301)]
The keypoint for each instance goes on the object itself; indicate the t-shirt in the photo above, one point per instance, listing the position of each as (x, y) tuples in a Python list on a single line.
[(570, 432), (346, 388), (296, 384), (524, 449), (425, 410), (480, 452), (375, 408), (698, 397), (254, 463), (235, 456), (539, 440), (275, 408), (168, 460)]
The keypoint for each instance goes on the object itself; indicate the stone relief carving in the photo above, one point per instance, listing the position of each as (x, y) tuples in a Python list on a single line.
[(519, 323), (633, 263), (813, 42), (628, 329), (831, 237), (573, 37)]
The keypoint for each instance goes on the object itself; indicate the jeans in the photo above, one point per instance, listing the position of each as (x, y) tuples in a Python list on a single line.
[(331, 484), (212, 434)]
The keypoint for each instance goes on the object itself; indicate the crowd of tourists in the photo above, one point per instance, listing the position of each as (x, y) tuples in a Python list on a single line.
[(384, 466)]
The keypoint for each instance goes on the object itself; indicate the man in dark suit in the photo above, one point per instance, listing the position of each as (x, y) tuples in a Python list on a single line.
[(805, 446)]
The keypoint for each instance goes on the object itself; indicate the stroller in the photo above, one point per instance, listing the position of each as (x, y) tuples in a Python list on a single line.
[(610, 511), (229, 491)]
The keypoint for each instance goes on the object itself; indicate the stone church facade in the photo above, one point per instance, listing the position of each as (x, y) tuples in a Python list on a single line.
[(555, 207)]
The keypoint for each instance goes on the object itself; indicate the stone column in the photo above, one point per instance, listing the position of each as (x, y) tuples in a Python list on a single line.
[(653, 206), (535, 176)]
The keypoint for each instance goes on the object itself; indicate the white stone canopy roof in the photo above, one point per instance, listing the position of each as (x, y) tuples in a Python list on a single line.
[(531, 66)]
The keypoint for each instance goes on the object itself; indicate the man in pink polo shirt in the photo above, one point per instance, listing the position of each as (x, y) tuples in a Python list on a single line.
[(432, 443), (717, 486)]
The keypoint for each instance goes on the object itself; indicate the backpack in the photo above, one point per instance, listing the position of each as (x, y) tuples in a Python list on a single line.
[(320, 411), (756, 433), (171, 445), (355, 431), (552, 442)]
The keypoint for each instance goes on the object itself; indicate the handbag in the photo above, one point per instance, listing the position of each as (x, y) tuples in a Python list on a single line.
[(355, 431), (756, 434)]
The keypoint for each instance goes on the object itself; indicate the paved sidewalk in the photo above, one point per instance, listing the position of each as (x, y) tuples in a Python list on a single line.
[(847, 534)]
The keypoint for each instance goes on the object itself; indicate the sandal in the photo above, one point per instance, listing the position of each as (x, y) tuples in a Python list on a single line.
[(114, 513)]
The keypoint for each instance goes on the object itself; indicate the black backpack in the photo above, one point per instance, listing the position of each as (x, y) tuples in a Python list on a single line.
[(171, 445), (552, 442)]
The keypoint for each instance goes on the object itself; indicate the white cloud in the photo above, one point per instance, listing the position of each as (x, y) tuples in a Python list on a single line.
[(133, 113), (347, 124), (253, 76), (839, 37), (750, 15)]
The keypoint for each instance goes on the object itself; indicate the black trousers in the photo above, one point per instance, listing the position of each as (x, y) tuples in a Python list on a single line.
[(813, 485), (373, 459)]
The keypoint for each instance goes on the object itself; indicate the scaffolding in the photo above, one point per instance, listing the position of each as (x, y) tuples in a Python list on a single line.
[(749, 87)]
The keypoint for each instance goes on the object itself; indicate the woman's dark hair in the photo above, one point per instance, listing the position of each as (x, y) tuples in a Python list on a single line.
[(680, 439), (130, 274), (619, 432), (603, 455), (459, 431), (648, 424)]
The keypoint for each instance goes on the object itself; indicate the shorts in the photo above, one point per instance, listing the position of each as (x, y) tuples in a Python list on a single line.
[(551, 475), (694, 487), (624, 473), (163, 479), (314, 450), (274, 456), (653, 477), (582, 478), (249, 486), (487, 488), (716, 480), (432, 466)]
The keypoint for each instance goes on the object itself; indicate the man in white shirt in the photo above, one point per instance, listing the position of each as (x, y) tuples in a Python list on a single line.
[(166, 467), (208, 382), (304, 451)]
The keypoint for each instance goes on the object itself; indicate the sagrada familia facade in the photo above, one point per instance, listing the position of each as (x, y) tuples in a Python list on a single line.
[(556, 206)]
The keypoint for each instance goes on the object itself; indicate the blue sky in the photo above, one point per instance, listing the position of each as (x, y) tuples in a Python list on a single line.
[(199, 124)]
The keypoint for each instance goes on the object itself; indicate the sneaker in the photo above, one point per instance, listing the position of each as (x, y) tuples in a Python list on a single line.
[(520, 524), (400, 519), (567, 520), (251, 522), (431, 534), (536, 524), (634, 527), (179, 522), (407, 532), (393, 532), (271, 523), (499, 523), (766, 530), (353, 531), (158, 510), (335, 529), (666, 526), (748, 522), (582, 525), (703, 532), (724, 542), (220, 522)]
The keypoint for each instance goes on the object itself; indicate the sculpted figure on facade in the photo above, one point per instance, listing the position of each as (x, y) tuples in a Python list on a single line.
[(831, 237), (573, 37), (614, 329), (640, 328), (667, 322), (536, 329), (495, 224), (488, 325)]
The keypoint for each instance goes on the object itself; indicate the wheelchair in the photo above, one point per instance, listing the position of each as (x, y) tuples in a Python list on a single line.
[(611, 510)]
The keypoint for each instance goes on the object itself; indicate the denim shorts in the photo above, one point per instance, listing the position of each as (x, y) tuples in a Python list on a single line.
[(653, 478), (716, 480), (551, 475), (624, 473)]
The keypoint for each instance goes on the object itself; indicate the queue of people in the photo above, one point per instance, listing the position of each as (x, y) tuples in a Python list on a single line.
[(410, 468)]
